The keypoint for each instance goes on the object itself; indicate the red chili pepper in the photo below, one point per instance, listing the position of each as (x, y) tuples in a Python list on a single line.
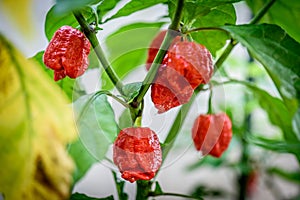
[(252, 183), (137, 153), (185, 66), (212, 133), (155, 45), (67, 53)]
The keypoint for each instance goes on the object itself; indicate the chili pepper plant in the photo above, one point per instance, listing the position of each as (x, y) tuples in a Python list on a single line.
[(233, 112)]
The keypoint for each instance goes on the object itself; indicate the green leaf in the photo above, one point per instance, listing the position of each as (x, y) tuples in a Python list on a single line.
[(290, 176), (273, 145), (157, 190), (97, 130), (195, 9), (207, 160), (283, 13), (96, 107), (134, 6), (131, 90), (125, 119), (276, 109), (278, 53), (214, 39), (54, 21), (209, 13), (201, 191), (78, 196), (69, 86), (66, 6), (128, 48), (296, 123), (104, 7), (82, 158), (123, 65)]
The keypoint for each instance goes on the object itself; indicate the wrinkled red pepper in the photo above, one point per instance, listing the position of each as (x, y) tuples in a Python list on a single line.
[(212, 133), (137, 153), (185, 66), (67, 53)]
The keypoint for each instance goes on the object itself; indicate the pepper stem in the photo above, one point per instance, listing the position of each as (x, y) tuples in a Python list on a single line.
[(170, 35), (98, 50)]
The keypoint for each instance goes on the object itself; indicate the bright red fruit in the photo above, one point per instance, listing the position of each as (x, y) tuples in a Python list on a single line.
[(212, 133), (185, 66), (252, 183), (67, 53), (137, 153), (155, 45)]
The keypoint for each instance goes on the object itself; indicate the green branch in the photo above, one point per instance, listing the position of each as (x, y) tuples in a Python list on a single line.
[(262, 12), (170, 35), (174, 195), (98, 50), (206, 29), (225, 54)]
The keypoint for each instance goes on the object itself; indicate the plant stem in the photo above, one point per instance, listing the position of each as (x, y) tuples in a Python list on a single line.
[(245, 158), (225, 54), (177, 16), (170, 35), (154, 67), (205, 29), (143, 189), (210, 109), (98, 50), (262, 12), (173, 132), (174, 194)]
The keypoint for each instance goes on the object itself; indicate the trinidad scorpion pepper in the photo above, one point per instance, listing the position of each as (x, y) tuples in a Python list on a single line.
[(67, 53), (137, 153), (212, 134), (185, 66)]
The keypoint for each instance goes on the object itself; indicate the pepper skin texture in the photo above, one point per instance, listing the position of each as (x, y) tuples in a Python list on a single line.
[(212, 134), (137, 153), (67, 53), (185, 66), (155, 45)]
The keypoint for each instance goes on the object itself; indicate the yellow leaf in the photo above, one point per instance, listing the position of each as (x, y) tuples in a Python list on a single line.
[(19, 12), (36, 124)]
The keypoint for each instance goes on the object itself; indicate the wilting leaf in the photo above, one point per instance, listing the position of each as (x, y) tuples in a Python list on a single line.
[(19, 11), (35, 125), (69, 86)]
